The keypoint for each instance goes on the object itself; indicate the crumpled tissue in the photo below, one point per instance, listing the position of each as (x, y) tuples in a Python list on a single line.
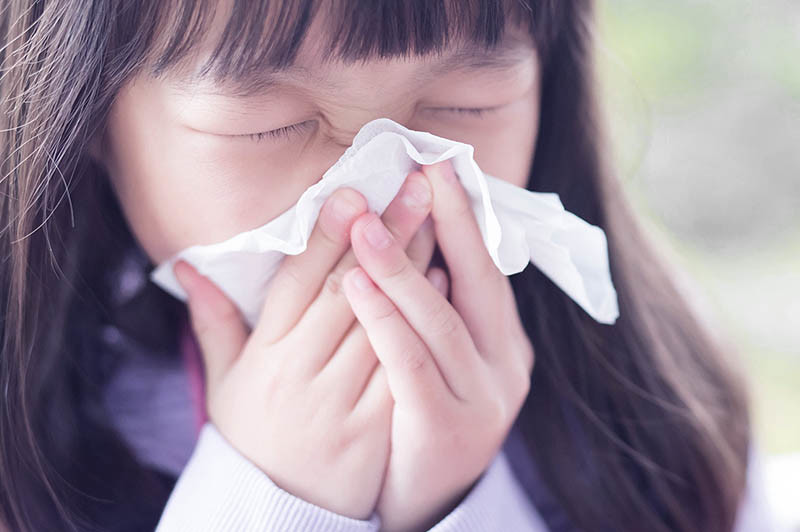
[(518, 226)]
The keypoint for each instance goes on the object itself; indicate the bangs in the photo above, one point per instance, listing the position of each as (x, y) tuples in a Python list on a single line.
[(264, 34)]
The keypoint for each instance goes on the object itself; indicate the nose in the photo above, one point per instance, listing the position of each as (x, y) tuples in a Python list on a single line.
[(338, 131), (344, 131)]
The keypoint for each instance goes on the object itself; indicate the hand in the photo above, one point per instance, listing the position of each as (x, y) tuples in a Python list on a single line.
[(303, 396), (458, 373)]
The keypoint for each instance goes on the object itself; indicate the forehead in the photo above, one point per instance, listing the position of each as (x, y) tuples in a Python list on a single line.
[(309, 70), (248, 47)]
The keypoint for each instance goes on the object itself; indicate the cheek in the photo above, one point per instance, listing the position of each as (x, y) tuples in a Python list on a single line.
[(177, 198), (504, 145), (178, 189), (507, 153)]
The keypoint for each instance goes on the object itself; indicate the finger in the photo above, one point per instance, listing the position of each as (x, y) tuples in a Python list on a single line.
[(404, 215), (480, 292), (430, 314), (411, 371), (217, 323), (355, 354), (299, 277), (351, 367), (376, 396), (420, 249), (438, 278)]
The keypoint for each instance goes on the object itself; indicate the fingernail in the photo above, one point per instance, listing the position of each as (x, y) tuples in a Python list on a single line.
[(183, 278), (377, 235), (361, 281), (437, 279), (344, 208), (416, 192)]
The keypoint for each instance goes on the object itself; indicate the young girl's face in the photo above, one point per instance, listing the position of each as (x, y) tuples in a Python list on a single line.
[(195, 161)]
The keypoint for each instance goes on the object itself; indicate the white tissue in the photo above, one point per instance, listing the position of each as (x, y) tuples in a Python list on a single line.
[(518, 226)]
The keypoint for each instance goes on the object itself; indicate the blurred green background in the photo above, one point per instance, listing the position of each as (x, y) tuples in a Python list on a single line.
[(703, 100)]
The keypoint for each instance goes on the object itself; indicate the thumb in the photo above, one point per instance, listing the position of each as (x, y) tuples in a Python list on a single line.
[(216, 321)]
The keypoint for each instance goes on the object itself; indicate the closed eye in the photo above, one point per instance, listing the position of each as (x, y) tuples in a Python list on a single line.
[(288, 132), (474, 111), (285, 132)]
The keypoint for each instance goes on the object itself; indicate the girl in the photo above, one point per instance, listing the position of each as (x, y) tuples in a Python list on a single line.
[(134, 129)]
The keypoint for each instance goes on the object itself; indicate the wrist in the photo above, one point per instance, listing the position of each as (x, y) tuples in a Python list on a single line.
[(425, 514)]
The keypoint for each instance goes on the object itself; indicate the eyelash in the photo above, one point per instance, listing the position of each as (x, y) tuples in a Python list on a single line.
[(475, 111), (283, 132), (287, 131)]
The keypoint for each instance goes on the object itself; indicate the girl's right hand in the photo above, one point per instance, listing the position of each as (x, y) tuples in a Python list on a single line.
[(303, 396)]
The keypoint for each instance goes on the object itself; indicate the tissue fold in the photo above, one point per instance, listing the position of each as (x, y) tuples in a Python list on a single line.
[(518, 226)]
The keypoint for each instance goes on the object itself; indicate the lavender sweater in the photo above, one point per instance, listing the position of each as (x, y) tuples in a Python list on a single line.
[(154, 402)]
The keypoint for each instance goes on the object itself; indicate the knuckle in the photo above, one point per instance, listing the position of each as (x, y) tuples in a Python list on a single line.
[(521, 386), (401, 271), (530, 360), (443, 321), (414, 358), (524, 353), (385, 311), (497, 411), (333, 282), (332, 236), (291, 273)]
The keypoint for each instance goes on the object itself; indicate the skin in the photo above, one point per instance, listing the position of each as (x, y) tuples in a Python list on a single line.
[(353, 399), (183, 178)]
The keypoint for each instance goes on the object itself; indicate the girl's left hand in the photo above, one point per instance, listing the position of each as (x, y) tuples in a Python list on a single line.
[(458, 373)]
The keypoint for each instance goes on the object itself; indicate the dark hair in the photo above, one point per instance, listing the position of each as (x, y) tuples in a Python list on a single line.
[(637, 426)]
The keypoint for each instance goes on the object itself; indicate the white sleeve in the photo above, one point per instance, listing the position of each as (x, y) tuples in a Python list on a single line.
[(755, 514), (496, 502), (220, 489)]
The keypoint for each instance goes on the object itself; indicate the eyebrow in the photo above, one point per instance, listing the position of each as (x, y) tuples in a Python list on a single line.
[(506, 55)]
